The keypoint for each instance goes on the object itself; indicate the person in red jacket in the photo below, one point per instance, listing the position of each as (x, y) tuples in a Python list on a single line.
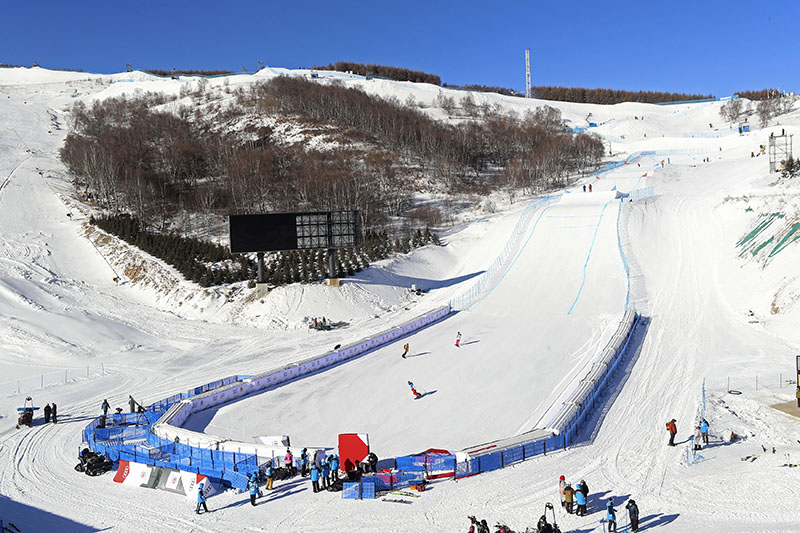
[(672, 431)]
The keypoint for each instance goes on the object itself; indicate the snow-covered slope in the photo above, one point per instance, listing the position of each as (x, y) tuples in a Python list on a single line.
[(523, 343)]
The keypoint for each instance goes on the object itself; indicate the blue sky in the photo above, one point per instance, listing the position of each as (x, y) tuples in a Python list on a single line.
[(704, 46)]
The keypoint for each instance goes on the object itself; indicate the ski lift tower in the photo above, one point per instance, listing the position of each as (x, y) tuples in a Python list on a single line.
[(528, 74), (780, 150)]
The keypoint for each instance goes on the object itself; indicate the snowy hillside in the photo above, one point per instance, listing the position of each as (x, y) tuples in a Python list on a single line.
[(712, 242)]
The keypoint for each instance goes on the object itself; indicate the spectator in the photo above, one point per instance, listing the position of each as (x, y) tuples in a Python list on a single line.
[(611, 516), (201, 499), (326, 473), (304, 462), (288, 462), (673, 429), (580, 499), (569, 498), (372, 460), (105, 407), (633, 514), (55, 413), (335, 468), (315, 477), (704, 430), (132, 403), (269, 473), (47, 411)]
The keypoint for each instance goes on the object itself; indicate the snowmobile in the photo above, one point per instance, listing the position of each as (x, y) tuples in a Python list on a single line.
[(26, 413), (543, 526), (92, 463)]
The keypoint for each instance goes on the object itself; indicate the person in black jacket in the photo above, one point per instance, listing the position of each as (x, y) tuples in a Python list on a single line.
[(372, 459), (633, 514), (47, 411), (55, 412)]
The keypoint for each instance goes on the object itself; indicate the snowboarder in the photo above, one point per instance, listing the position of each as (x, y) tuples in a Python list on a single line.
[(315, 477), (268, 472), (590, 187), (201, 499), (584, 188), (47, 411), (698, 436), (673, 429), (335, 468), (405, 350), (633, 514), (132, 403), (253, 486), (414, 391), (704, 430), (611, 516), (580, 499), (54, 413), (458, 340), (561, 484), (569, 498), (288, 461), (304, 462), (105, 407)]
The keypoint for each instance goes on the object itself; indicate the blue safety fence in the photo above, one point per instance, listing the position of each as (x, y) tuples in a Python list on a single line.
[(127, 437), (351, 490), (508, 456)]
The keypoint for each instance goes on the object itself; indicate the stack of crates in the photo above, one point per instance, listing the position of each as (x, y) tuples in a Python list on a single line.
[(351, 490), (368, 490)]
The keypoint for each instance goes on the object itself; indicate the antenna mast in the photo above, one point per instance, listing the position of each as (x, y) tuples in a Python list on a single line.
[(528, 74)]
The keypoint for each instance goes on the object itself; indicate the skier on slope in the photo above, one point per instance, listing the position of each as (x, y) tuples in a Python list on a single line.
[(458, 340), (584, 188), (105, 407), (405, 350), (414, 391), (590, 187)]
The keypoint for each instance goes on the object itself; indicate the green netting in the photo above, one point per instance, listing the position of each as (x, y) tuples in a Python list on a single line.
[(791, 236)]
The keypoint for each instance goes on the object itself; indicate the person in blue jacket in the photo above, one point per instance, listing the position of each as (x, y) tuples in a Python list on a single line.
[(315, 477), (326, 473), (201, 499), (704, 430), (252, 484), (304, 462), (269, 474), (335, 468), (580, 499), (611, 516)]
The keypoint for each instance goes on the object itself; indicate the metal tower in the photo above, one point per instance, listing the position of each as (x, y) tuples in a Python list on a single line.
[(528, 74), (780, 149)]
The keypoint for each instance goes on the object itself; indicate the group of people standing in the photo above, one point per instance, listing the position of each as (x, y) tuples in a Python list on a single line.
[(50, 413), (327, 473), (700, 433), (570, 497)]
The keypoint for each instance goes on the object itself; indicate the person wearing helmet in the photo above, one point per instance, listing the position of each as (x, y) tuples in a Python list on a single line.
[(561, 484)]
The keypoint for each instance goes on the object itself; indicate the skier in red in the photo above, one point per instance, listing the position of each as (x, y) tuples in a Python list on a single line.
[(590, 187), (414, 391), (458, 340)]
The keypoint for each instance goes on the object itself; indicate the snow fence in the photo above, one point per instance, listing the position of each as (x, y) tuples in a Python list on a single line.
[(569, 421)]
